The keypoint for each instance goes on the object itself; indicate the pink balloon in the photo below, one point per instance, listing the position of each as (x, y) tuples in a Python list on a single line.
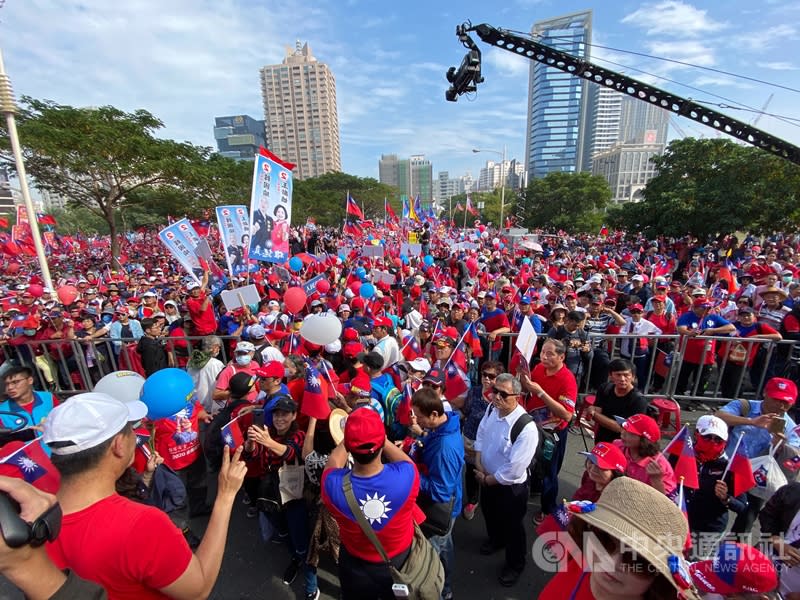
[(67, 294), (323, 285), (355, 287), (295, 299)]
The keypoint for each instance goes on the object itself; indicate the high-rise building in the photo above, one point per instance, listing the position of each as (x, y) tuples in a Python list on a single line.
[(606, 117), (627, 168), (491, 176), (239, 137), (412, 176), (559, 107), (302, 123), (447, 187), (642, 122)]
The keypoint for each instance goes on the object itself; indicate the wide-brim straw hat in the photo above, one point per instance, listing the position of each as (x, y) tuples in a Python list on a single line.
[(336, 421), (645, 521), (774, 290)]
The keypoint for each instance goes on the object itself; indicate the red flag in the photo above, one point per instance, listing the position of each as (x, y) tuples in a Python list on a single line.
[(472, 340), (411, 349), (604, 230), (46, 219), (741, 470), (390, 214), (403, 415), (315, 401), (455, 381), (28, 461), (352, 229), (353, 208), (470, 208), (685, 463), (3, 223), (284, 163)]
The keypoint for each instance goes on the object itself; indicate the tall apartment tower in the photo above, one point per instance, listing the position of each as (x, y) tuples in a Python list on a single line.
[(412, 176), (560, 111), (302, 122)]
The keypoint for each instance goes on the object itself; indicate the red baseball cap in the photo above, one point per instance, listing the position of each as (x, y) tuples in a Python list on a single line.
[(736, 569), (273, 368), (349, 334), (383, 322), (702, 302), (357, 303), (781, 389), (364, 432), (607, 456), (636, 308), (353, 349), (643, 426)]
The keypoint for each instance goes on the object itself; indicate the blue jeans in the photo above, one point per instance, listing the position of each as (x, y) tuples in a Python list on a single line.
[(443, 544), (295, 517), (550, 480)]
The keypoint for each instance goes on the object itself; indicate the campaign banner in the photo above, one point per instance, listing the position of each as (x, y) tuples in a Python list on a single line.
[(270, 211), (22, 230), (310, 286), (182, 240), (234, 232)]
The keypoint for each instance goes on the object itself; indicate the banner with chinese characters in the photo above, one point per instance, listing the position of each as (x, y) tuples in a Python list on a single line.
[(270, 211), (182, 240), (234, 233)]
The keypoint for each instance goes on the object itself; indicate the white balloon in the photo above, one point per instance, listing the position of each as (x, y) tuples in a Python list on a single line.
[(125, 386), (321, 329)]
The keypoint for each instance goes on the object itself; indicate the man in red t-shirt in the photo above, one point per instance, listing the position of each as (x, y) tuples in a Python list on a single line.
[(134, 551), (201, 311), (554, 393)]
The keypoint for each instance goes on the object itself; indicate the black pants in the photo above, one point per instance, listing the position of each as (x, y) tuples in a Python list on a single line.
[(599, 373), (359, 579), (744, 521), (472, 489), (196, 482), (700, 372), (504, 508)]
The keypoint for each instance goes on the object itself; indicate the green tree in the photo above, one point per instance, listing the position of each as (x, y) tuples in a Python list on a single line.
[(324, 198), (715, 186), (569, 201), (97, 157)]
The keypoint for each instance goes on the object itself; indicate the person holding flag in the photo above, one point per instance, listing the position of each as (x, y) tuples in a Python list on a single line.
[(708, 504), (762, 424), (639, 443)]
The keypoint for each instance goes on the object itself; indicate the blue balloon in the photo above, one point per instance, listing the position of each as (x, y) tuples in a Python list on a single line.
[(167, 392), (526, 261), (502, 245), (361, 272), (295, 264), (428, 260), (404, 259), (367, 290)]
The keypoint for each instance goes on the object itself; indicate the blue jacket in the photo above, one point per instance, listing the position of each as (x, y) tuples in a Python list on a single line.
[(443, 455), (115, 333)]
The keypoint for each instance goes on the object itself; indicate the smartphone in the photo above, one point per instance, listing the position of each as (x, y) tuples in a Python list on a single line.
[(258, 417), (777, 425)]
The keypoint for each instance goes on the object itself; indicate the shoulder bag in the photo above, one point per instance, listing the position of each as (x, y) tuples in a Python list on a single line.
[(422, 573)]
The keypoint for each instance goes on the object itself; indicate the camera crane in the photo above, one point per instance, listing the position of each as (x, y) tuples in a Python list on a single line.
[(466, 78)]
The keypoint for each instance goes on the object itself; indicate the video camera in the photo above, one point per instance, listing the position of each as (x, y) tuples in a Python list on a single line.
[(468, 75)]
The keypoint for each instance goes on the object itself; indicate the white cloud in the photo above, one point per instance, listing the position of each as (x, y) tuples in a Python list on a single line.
[(689, 51), (769, 37), (721, 80), (674, 18), (507, 63), (777, 66)]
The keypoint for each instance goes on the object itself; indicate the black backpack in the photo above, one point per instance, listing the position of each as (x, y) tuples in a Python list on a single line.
[(214, 445), (548, 440)]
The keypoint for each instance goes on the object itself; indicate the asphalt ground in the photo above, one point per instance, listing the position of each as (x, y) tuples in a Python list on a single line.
[(253, 570)]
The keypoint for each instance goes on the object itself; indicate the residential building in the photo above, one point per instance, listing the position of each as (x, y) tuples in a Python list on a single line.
[(491, 176), (560, 114), (411, 176), (447, 188), (239, 137), (6, 195), (627, 168), (302, 123)]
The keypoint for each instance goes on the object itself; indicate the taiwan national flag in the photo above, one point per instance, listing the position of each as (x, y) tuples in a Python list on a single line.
[(741, 470), (232, 435), (455, 381), (411, 349), (472, 340), (390, 214), (403, 415), (353, 209), (315, 399), (28, 461), (680, 453)]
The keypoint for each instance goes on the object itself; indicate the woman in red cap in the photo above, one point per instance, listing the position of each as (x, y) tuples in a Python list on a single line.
[(639, 443)]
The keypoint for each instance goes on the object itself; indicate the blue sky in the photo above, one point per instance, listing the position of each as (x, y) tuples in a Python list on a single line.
[(188, 61)]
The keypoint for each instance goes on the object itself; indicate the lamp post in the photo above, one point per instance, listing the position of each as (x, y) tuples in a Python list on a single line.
[(9, 108), (503, 177)]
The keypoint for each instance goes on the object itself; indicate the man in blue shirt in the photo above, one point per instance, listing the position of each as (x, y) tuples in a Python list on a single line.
[(31, 407), (763, 424), (443, 457)]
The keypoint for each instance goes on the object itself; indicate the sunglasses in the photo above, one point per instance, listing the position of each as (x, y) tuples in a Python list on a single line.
[(712, 438), (504, 395), (442, 345), (489, 376)]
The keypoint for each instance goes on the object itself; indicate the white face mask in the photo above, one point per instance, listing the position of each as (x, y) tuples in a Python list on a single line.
[(243, 359)]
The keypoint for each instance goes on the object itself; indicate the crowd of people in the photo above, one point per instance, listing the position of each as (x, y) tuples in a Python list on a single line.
[(422, 412)]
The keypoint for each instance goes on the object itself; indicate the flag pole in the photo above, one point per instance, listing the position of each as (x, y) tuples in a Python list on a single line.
[(733, 454), (672, 441), (465, 212)]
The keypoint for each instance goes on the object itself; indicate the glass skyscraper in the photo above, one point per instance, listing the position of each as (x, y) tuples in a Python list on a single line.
[(560, 111)]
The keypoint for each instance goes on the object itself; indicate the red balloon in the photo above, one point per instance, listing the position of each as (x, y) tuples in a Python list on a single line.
[(355, 287), (295, 299), (323, 285), (36, 290), (67, 294)]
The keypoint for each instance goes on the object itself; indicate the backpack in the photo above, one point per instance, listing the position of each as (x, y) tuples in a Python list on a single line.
[(257, 356), (214, 446), (545, 447)]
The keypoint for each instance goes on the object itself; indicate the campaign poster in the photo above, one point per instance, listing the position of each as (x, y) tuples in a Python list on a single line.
[(234, 231), (181, 240), (270, 211)]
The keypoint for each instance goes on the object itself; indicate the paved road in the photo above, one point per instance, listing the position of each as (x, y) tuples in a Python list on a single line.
[(253, 570)]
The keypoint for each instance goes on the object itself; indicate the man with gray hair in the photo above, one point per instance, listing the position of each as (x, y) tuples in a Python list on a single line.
[(204, 367), (504, 450)]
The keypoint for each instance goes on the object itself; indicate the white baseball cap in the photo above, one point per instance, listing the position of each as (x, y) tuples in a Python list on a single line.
[(243, 346), (192, 285), (637, 278), (419, 364), (711, 425), (87, 420)]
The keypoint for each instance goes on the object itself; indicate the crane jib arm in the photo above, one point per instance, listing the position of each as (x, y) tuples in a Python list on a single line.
[(580, 67)]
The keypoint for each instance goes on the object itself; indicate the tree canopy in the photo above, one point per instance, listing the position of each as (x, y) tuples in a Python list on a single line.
[(324, 198), (569, 201), (706, 187)]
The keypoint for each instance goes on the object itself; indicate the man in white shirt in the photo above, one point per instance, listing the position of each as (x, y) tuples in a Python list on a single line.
[(204, 367), (637, 349), (387, 344), (501, 468)]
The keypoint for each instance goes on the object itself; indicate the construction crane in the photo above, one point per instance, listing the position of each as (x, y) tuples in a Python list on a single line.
[(755, 121), (467, 76)]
